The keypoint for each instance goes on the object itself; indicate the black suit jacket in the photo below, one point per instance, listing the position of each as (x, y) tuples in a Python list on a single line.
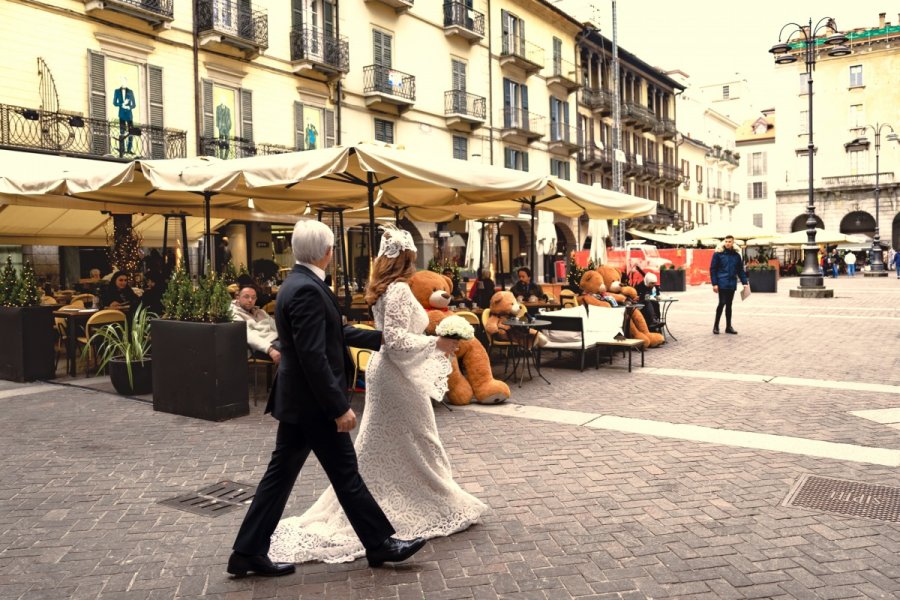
[(315, 363)]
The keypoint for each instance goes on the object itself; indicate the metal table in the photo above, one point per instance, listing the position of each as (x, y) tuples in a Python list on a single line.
[(521, 345)]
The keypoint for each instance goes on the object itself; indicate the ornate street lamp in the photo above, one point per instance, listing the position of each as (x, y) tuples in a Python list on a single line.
[(811, 281), (876, 262)]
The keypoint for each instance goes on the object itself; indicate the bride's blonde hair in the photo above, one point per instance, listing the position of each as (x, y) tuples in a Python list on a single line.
[(386, 271)]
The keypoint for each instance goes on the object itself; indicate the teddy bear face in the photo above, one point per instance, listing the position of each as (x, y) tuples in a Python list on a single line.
[(431, 289), (591, 282), (616, 287), (504, 303)]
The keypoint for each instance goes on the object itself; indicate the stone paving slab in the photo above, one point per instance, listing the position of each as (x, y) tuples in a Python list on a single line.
[(574, 512)]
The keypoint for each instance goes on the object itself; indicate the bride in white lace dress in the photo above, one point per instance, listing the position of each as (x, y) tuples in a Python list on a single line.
[(401, 458)]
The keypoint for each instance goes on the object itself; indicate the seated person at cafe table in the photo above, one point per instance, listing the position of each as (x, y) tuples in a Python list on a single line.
[(118, 294), (525, 290), (482, 290), (262, 336), (648, 294), (458, 292)]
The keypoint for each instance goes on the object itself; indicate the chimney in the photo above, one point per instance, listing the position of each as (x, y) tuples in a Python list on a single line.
[(881, 17)]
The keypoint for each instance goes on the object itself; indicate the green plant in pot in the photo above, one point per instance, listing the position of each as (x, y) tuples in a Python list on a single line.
[(125, 348)]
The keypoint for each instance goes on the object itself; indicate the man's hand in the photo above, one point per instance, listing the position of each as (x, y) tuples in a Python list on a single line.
[(346, 422), (715, 289), (275, 355)]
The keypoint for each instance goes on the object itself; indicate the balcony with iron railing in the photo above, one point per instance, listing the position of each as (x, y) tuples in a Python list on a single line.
[(235, 147), (464, 111), (72, 134), (592, 157), (463, 21), (399, 6), (665, 128), (325, 57), (864, 180), (158, 13), (564, 75), (521, 126), (230, 25), (672, 175), (652, 170), (516, 51), (638, 116), (563, 138), (598, 100), (387, 89)]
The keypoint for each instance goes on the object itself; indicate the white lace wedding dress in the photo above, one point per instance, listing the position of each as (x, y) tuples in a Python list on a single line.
[(401, 458)]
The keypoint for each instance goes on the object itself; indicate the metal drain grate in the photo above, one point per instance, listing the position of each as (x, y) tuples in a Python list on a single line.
[(845, 497), (214, 500)]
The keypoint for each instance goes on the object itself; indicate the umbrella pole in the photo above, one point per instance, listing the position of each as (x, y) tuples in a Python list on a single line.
[(533, 253), (206, 210), (370, 185), (480, 252), (344, 262)]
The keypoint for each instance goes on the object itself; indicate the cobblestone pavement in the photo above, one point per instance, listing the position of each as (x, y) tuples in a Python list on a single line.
[(575, 511)]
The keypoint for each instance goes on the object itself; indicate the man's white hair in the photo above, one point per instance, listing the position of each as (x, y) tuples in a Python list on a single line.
[(311, 240)]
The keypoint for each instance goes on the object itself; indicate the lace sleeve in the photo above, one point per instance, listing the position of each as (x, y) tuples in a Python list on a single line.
[(399, 304)]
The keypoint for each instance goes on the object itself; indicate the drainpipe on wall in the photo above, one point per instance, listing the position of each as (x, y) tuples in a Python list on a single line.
[(198, 101), (339, 88), (490, 85)]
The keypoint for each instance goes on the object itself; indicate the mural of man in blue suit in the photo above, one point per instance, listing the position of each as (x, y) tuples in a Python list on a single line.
[(123, 98)]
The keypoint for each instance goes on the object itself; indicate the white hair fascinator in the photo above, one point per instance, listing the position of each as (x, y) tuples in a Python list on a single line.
[(394, 241)]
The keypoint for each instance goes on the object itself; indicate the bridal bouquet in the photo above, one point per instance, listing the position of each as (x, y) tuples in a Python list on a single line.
[(455, 328)]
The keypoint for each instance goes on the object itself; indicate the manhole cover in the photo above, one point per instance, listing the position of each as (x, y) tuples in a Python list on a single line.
[(214, 500), (853, 498)]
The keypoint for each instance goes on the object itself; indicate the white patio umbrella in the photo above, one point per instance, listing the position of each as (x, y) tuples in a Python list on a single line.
[(798, 238), (474, 247), (598, 229)]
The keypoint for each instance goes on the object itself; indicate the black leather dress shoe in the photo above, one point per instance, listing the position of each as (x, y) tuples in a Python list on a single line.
[(730, 330), (716, 330), (241, 565), (393, 550)]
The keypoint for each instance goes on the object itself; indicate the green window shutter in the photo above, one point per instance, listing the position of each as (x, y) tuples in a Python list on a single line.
[(155, 97), (299, 141), (329, 128), (97, 103), (504, 31), (524, 161), (208, 119), (247, 115)]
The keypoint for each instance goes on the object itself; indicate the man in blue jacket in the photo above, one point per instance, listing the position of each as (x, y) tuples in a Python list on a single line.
[(724, 270)]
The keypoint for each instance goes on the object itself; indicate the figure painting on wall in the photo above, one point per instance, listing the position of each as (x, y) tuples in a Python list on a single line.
[(123, 99), (312, 136), (312, 116), (223, 125)]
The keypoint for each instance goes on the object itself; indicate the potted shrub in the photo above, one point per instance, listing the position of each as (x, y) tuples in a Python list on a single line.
[(200, 366), (762, 279), (672, 278), (126, 350), (27, 352)]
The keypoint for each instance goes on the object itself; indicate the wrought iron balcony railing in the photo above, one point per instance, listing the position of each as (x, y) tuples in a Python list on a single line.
[(639, 115), (564, 133), (235, 147), (235, 19), (70, 133), (673, 174), (385, 80), (161, 9), (516, 118), (460, 102), (565, 73), (458, 14), (516, 46), (592, 155), (665, 128), (597, 99), (311, 43)]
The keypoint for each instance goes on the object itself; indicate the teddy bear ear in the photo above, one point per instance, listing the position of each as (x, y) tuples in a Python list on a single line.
[(448, 282)]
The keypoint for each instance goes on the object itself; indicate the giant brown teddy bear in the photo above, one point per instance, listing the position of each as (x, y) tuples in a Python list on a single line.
[(433, 291), (592, 282)]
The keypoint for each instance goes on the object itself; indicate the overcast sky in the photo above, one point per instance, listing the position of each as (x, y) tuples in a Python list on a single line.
[(712, 40)]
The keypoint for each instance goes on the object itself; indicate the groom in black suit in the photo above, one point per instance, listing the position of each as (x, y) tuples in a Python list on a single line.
[(309, 400)]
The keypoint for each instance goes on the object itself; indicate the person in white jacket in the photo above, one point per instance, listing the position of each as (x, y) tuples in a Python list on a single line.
[(262, 336)]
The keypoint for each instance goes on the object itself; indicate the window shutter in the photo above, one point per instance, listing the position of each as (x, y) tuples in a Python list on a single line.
[(524, 89), (764, 191), (524, 161), (297, 14), (521, 39), (155, 102), (299, 137), (554, 130), (504, 30), (208, 120), (97, 102), (507, 158), (329, 128), (247, 115), (763, 155)]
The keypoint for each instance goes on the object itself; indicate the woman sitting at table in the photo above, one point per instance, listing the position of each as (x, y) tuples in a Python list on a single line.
[(648, 294), (483, 290), (525, 290), (118, 294)]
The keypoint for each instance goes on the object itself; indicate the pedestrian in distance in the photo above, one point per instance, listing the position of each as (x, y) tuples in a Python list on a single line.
[(726, 268), (850, 261)]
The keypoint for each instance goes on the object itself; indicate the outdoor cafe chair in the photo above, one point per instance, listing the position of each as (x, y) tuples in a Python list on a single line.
[(101, 318), (568, 299), (504, 345), (360, 358)]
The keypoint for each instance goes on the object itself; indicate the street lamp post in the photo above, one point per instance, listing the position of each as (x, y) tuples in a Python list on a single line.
[(811, 281), (876, 262)]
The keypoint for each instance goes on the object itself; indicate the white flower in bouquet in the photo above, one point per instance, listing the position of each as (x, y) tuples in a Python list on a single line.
[(455, 328)]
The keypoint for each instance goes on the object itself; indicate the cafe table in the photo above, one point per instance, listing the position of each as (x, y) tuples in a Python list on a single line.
[(521, 345), (74, 317)]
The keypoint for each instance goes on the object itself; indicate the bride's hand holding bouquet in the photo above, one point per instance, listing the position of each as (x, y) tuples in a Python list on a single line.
[(451, 330)]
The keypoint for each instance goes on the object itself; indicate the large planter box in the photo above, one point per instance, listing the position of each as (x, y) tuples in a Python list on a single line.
[(27, 350), (672, 280), (200, 369), (763, 282)]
